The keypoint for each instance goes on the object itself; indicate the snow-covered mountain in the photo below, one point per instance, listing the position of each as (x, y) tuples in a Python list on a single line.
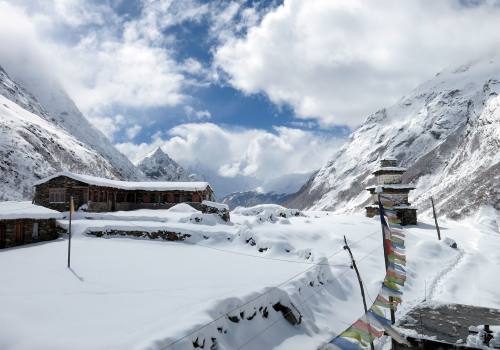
[(274, 191), (58, 108), (35, 143), (251, 198), (159, 166), (446, 131)]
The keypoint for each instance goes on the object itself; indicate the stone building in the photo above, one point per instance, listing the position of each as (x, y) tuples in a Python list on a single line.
[(393, 193), (23, 223), (96, 194)]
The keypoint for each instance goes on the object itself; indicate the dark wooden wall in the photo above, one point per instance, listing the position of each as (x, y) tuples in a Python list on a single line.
[(47, 231)]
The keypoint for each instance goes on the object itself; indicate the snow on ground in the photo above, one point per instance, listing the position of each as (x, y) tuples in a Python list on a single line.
[(127, 293), (465, 275)]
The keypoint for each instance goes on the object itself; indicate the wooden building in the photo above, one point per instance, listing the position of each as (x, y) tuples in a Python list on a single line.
[(393, 193), (96, 194), (23, 223)]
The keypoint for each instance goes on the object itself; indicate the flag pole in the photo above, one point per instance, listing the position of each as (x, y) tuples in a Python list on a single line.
[(71, 209), (435, 219), (386, 253)]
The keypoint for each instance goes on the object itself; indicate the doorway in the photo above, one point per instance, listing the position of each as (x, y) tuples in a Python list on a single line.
[(19, 229)]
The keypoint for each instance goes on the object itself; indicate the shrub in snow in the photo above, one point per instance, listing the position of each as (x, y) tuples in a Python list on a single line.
[(222, 210), (450, 242)]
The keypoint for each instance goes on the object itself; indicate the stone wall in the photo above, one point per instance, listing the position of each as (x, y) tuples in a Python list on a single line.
[(385, 179), (47, 231), (165, 235)]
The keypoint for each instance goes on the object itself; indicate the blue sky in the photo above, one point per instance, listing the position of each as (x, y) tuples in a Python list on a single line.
[(226, 105), (250, 90)]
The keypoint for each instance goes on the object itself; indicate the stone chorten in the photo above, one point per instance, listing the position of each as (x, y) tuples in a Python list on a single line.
[(392, 191)]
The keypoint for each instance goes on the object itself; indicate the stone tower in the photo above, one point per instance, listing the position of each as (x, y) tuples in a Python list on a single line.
[(393, 193)]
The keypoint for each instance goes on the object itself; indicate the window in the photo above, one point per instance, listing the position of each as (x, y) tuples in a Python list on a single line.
[(57, 195), (35, 231)]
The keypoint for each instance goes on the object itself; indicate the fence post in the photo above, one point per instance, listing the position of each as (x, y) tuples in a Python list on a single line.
[(360, 286)]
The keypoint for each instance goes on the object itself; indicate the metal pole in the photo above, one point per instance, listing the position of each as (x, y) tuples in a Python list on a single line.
[(435, 219), (360, 286), (69, 232)]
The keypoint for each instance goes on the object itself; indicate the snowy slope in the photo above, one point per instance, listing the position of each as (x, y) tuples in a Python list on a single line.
[(32, 148), (446, 131), (58, 108), (160, 167), (34, 145)]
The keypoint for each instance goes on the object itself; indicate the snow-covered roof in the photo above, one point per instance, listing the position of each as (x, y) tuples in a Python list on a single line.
[(26, 210), (390, 169), (392, 187), (132, 185), (219, 206)]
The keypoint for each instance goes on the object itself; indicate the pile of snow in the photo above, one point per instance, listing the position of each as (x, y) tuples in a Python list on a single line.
[(268, 213), (484, 340), (182, 208), (26, 210), (218, 206)]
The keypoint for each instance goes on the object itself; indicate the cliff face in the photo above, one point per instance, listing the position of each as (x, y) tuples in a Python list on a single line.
[(446, 132)]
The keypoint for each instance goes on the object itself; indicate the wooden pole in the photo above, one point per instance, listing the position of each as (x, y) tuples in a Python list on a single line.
[(386, 257), (360, 286), (435, 219), (69, 231)]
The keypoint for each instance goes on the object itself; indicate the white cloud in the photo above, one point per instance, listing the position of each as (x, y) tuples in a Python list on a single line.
[(338, 61), (194, 114), (109, 126), (245, 152), (133, 131), (102, 60)]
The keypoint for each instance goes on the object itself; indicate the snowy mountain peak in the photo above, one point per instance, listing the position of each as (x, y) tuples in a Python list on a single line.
[(446, 132), (159, 166)]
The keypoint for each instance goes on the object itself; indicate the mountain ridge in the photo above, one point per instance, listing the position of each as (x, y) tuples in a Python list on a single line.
[(446, 132), (33, 144)]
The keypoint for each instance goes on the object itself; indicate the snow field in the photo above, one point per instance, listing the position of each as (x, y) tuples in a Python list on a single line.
[(221, 283)]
